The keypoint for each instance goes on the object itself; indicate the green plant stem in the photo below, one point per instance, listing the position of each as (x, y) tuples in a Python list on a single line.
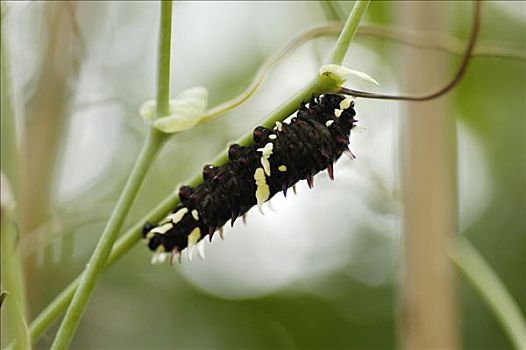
[(487, 283), (98, 259), (348, 32), (148, 153), (164, 56), (129, 239)]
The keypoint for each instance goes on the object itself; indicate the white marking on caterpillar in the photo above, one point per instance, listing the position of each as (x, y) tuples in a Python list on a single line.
[(345, 103), (195, 214), (177, 216), (272, 137), (155, 258), (267, 150), (338, 112), (201, 249), (162, 229), (194, 236), (149, 236), (282, 168), (279, 126), (176, 255), (262, 191), (266, 153), (159, 257), (349, 154), (329, 123), (190, 252)]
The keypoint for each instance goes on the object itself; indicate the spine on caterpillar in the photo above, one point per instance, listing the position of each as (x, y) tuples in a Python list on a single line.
[(280, 157)]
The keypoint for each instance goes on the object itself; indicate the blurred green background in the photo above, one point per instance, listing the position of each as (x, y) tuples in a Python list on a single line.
[(322, 269)]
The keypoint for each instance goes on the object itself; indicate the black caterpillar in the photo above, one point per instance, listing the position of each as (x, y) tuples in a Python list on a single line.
[(312, 141)]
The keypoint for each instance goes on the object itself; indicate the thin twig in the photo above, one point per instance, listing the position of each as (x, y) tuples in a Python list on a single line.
[(265, 68), (61, 225), (440, 41), (488, 284), (429, 96)]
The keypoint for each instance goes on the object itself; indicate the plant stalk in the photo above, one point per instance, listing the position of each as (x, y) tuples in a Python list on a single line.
[(428, 300), (148, 153), (348, 32), (488, 284), (164, 56), (98, 259)]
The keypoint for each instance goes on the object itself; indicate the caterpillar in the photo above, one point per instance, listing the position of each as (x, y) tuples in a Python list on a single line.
[(279, 157)]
